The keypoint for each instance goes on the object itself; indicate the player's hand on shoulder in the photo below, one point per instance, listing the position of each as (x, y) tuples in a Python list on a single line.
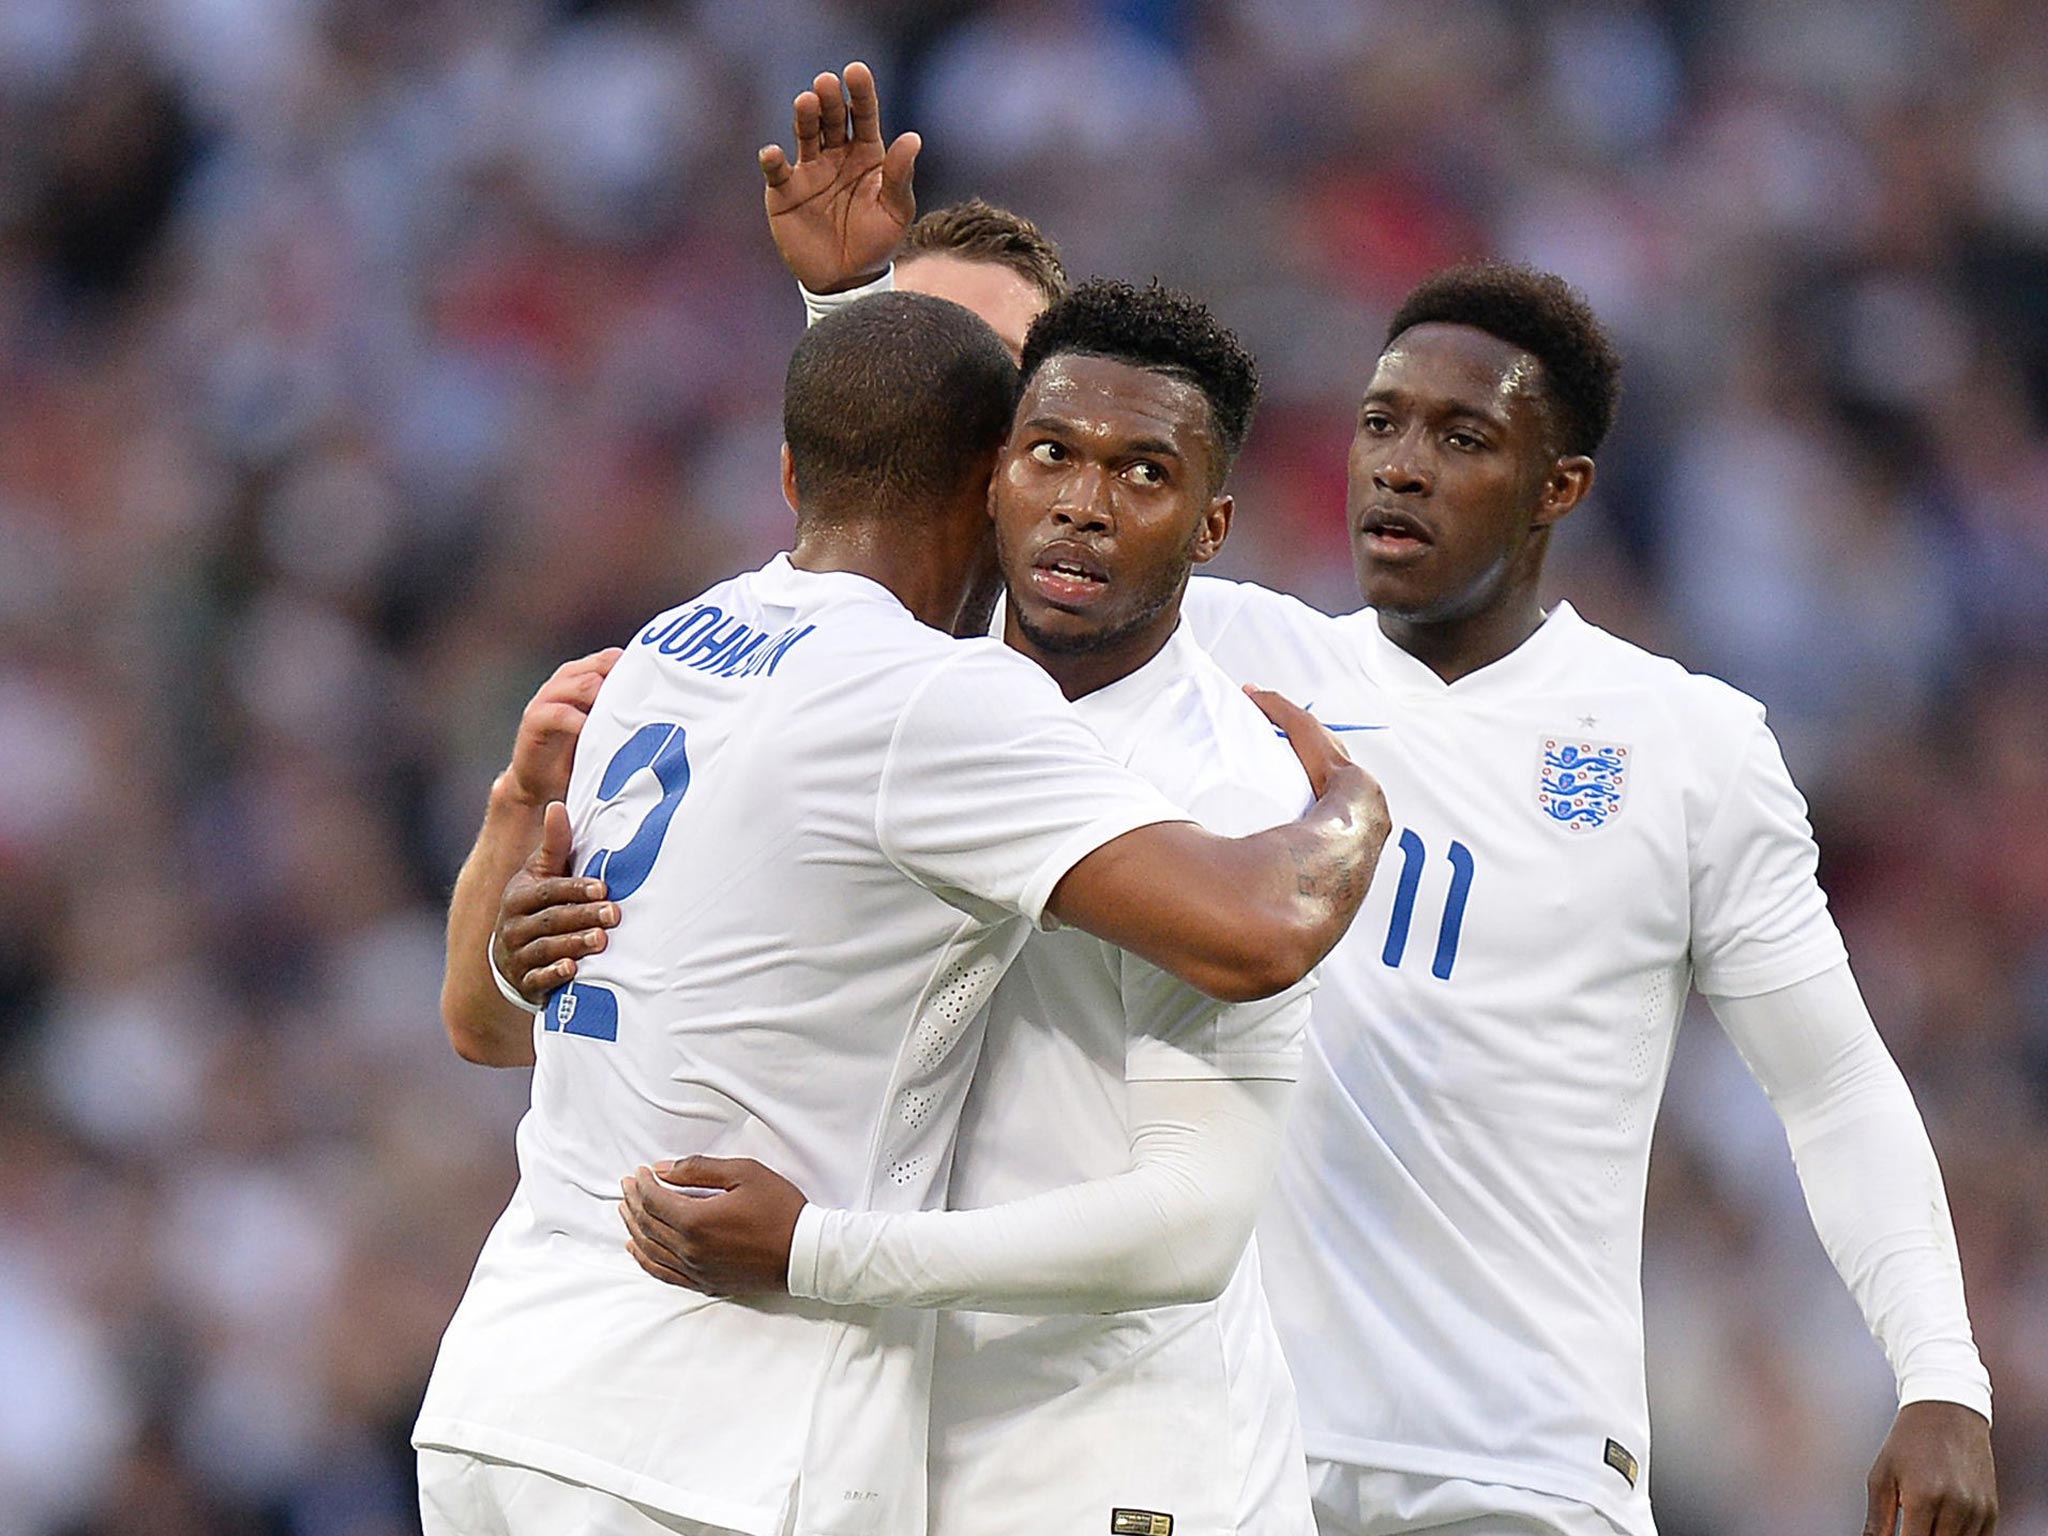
[(547, 918), (838, 213), (1936, 1470), (733, 1239), (1329, 767), (554, 717)]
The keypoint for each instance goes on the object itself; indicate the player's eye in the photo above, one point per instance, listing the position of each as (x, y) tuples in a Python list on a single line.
[(1466, 442), (1048, 453), (1147, 473), (1377, 423)]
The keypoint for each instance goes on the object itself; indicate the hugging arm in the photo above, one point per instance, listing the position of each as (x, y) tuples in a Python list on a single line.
[(1167, 1231), (1248, 917), (481, 1024)]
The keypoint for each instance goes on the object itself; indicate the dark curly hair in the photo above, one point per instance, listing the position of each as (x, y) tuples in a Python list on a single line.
[(1544, 316), (975, 230), (1160, 329)]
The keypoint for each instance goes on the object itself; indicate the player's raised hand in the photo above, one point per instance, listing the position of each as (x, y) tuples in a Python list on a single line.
[(733, 1242), (549, 725), (548, 919), (841, 209), (1934, 1475)]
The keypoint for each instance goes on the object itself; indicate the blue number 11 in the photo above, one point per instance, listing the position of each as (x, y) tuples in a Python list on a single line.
[(1412, 859)]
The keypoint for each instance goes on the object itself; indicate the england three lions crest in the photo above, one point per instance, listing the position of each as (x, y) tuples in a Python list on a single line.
[(1581, 784)]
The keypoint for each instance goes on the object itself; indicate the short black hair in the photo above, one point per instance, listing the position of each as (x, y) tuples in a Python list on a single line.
[(1160, 329), (1547, 318), (975, 230), (891, 403)]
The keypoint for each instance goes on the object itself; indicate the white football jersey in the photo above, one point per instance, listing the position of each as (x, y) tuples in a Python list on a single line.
[(1581, 830), (828, 828), (1057, 1423)]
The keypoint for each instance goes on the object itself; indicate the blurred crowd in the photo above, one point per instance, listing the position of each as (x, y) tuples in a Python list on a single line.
[(361, 359)]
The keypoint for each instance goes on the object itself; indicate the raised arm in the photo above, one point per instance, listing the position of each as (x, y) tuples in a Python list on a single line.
[(1240, 918), (838, 213), (482, 1026)]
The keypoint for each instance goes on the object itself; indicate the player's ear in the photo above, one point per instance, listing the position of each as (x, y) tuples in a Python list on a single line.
[(1566, 485), (789, 477), (1213, 529)]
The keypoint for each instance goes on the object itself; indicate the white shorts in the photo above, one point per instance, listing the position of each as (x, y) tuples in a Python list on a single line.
[(464, 1495), (1370, 1501)]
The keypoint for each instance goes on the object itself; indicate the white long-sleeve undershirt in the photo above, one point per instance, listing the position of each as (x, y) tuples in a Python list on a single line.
[(818, 305), (1871, 1181), (1170, 1230)]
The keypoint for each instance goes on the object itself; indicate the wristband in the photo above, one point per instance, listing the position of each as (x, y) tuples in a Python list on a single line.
[(804, 1243), (818, 305), (505, 988)]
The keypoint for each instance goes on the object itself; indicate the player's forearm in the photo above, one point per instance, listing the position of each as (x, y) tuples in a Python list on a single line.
[(1872, 1184), (481, 1025), (1168, 1232), (1237, 918)]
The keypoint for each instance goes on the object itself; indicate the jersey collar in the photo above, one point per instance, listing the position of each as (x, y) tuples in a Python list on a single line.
[(779, 581), (1114, 711), (1514, 673)]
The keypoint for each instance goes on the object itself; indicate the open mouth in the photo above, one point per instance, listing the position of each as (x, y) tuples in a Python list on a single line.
[(1068, 577), (1391, 535)]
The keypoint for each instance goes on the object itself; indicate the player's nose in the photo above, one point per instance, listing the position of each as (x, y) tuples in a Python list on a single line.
[(1086, 504), (1401, 474)]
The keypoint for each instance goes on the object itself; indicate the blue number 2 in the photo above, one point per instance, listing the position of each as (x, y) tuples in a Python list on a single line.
[(588, 1009), (1412, 859)]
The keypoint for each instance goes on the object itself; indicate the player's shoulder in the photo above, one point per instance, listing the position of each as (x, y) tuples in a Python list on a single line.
[(975, 690), (1209, 748), (1214, 605), (1691, 703), (831, 641)]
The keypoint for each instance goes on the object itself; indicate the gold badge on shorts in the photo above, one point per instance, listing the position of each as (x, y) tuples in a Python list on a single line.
[(1139, 1522), (1619, 1457)]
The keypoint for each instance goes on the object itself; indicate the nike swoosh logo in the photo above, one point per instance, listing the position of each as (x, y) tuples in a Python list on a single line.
[(1311, 708), (1329, 727)]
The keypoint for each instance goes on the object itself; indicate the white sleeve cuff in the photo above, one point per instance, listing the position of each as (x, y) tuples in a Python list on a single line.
[(505, 988), (818, 305), (803, 1252), (1969, 1387)]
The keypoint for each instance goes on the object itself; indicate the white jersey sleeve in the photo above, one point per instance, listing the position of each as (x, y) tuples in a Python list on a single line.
[(818, 305), (994, 831), (1871, 1181), (1169, 1231), (1177, 1032), (1759, 919)]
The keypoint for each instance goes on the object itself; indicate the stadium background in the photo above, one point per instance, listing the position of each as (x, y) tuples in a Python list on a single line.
[(359, 359)]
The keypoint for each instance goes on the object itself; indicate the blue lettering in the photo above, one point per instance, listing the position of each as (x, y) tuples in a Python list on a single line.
[(714, 644), (782, 647), (739, 658), (705, 640), (685, 633), (655, 634)]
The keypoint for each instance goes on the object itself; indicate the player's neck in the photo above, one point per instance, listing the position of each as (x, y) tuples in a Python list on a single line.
[(928, 573), (1082, 672), (1457, 647)]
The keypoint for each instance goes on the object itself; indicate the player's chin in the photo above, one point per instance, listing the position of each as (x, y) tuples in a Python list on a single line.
[(1055, 628), (1406, 588)]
